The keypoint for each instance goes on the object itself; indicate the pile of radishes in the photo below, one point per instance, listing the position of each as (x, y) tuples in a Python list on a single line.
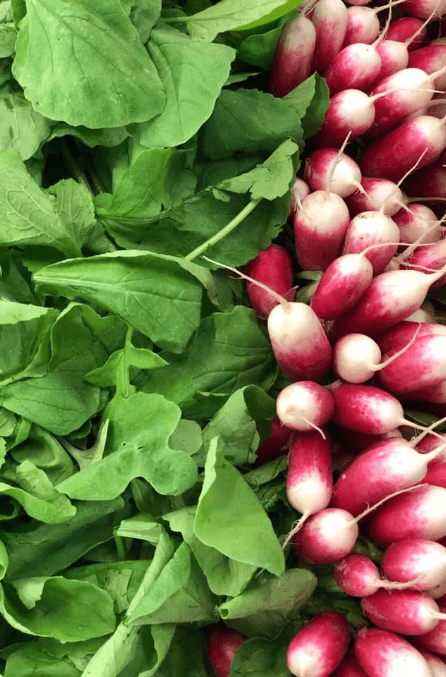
[(365, 335)]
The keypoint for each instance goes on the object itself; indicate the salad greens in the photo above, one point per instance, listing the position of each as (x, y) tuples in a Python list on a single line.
[(136, 383)]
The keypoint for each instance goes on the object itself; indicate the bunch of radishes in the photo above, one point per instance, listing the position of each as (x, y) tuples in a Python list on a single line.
[(380, 252)]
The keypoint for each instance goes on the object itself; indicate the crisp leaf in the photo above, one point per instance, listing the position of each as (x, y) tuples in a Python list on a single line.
[(21, 127)]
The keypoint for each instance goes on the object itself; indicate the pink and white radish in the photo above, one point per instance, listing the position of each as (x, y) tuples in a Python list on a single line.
[(434, 640), (356, 66), (372, 228), (404, 29), (294, 55), (304, 406), (379, 194), (430, 59), (299, 190), (274, 268), (222, 643), (383, 654), (422, 365), (420, 513), (320, 223), (435, 663), (408, 612), (402, 332), (431, 257), (330, 21), (429, 182), (350, 110), (358, 576), (299, 342), (349, 667), (415, 558), (422, 9), (418, 224), (332, 170), (275, 445), (320, 646)]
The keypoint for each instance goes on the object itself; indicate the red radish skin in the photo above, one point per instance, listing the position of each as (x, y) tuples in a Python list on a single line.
[(294, 56), (274, 268), (420, 139), (422, 365), (355, 67), (402, 332), (403, 30), (423, 9), (330, 21), (299, 190), (320, 224), (362, 26), (309, 482), (358, 576), (320, 646), (222, 644), (349, 667), (434, 640), (304, 405), (384, 654), (421, 513), (432, 257), (299, 342), (326, 536), (435, 663), (349, 111), (429, 182), (435, 394), (372, 228), (415, 558), (407, 612), (418, 222), (344, 180), (394, 57), (342, 285), (430, 59), (387, 467), (275, 445), (389, 299), (367, 409), (379, 194)]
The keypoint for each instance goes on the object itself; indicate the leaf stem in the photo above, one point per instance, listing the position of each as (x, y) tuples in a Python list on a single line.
[(224, 231), (74, 168)]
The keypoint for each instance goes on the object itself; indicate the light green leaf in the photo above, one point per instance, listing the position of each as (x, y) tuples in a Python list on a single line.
[(257, 657), (75, 207), (193, 72), (82, 62), (230, 518), (31, 659), (21, 127), (8, 36), (106, 375), (310, 100), (154, 294)]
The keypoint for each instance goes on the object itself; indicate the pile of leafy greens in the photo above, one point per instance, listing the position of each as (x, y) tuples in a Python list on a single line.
[(136, 383)]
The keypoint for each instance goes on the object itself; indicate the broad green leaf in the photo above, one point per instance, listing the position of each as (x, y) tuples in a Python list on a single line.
[(228, 15), (15, 284), (8, 36), (91, 137), (257, 657), (144, 14), (82, 62), (193, 72), (248, 120), (140, 427), (268, 605), (46, 549), (270, 180), (75, 207), (315, 112), (225, 576), (27, 216), (187, 656), (18, 8), (35, 482), (154, 294), (21, 127), (259, 49), (229, 351), (31, 659), (44, 451), (230, 518), (138, 357), (69, 611)]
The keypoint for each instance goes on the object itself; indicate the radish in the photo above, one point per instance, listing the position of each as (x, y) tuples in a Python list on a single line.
[(304, 406), (332, 170), (350, 110), (388, 466), (424, 314), (299, 342), (422, 365), (379, 194), (418, 140), (435, 663), (319, 647), (367, 409), (320, 224), (422, 9), (404, 29), (429, 182), (349, 667), (222, 643), (342, 285), (415, 558), (430, 59), (358, 576), (394, 57), (431, 257), (330, 21), (420, 513), (372, 228), (355, 67), (434, 640), (275, 445), (299, 190), (384, 654), (293, 56), (363, 24), (435, 394), (389, 298), (418, 223), (401, 333), (274, 268), (408, 612), (359, 442)]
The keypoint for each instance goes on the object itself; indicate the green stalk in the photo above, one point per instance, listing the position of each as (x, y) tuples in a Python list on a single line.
[(224, 231)]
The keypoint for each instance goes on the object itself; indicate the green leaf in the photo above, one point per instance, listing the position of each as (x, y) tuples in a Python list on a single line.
[(83, 63), (144, 14), (257, 657), (75, 208), (21, 127), (69, 611), (229, 351), (193, 72), (310, 100), (230, 518), (31, 659), (187, 656), (140, 427), (45, 452), (8, 36), (248, 120), (228, 15), (138, 357), (155, 294)]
